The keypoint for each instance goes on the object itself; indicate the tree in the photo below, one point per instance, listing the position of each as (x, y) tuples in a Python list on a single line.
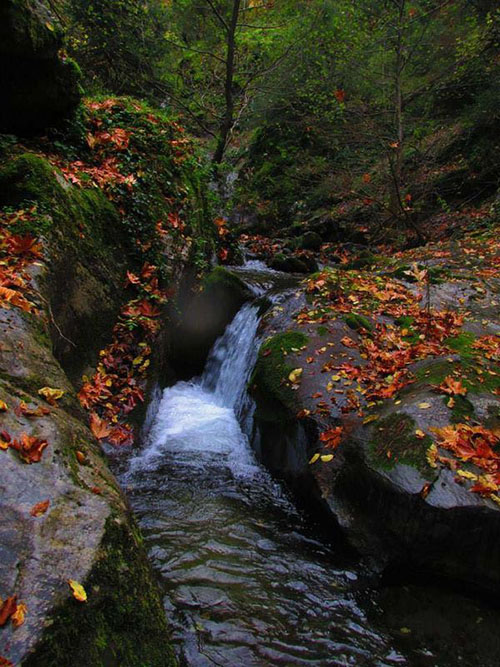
[(225, 48)]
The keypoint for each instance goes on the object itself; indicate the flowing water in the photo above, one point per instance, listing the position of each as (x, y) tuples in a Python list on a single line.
[(245, 580)]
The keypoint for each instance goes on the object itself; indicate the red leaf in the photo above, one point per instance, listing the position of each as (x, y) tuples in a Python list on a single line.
[(7, 609)]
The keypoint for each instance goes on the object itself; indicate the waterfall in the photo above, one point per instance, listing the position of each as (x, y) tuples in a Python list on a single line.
[(198, 421), (232, 359)]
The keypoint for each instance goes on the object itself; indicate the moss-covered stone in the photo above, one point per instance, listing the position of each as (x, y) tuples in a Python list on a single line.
[(270, 376), (83, 232), (394, 441), (122, 624), (221, 278)]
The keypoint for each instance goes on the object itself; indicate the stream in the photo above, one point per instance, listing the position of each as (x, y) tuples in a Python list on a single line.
[(246, 579)]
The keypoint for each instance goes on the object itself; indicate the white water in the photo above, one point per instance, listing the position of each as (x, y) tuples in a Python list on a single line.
[(201, 417)]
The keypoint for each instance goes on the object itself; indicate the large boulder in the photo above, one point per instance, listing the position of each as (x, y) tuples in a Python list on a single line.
[(364, 450), (39, 86)]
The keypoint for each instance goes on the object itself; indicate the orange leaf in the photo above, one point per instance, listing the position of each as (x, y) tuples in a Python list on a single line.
[(40, 508), (17, 617), (29, 448), (99, 427), (452, 387)]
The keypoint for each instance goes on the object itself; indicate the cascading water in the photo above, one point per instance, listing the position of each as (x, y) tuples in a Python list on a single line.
[(245, 581)]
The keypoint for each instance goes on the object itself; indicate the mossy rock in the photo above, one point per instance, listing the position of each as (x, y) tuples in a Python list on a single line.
[(310, 241), (275, 398), (394, 441), (221, 278), (123, 622), (84, 244)]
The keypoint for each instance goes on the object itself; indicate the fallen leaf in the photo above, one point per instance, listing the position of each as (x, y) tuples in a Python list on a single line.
[(452, 387), (80, 457), (431, 456), (314, 458), (420, 434), (370, 419), (326, 458), (77, 590), (40, 508), (424, 406), (17, 617), (7, 608), (424, 491), (295, 375), (99, 427), (51, 395), (3, 406)]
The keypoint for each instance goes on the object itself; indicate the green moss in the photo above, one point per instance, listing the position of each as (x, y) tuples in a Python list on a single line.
[(394, 441), (462, 344), (461, 409), (357, 322), (269, 379), (322, 330), (123, 623), (220, 276)]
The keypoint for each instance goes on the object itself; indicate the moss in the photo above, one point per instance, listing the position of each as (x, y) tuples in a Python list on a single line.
[(462, 344), (461, 409), (123, 623), (269, 379), (394, 441), (357, 322), (221, 277), (322, 330)]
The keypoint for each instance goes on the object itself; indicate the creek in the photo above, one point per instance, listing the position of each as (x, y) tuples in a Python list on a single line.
[(247, 578)]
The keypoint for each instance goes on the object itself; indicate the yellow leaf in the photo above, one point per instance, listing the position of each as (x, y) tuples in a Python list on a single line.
[(431, 456), (420, 434), (3, 406), (467, 475), (78, 590), (17, 617), (295, 375), (51, 395), (424, 406), (335, 378), (314, 458), (326, 458), (138, 360), (370, 419)]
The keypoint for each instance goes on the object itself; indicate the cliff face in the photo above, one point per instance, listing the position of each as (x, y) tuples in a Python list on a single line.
[(39, 84)]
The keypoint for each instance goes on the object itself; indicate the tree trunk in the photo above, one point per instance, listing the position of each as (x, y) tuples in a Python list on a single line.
[(227, 122)]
